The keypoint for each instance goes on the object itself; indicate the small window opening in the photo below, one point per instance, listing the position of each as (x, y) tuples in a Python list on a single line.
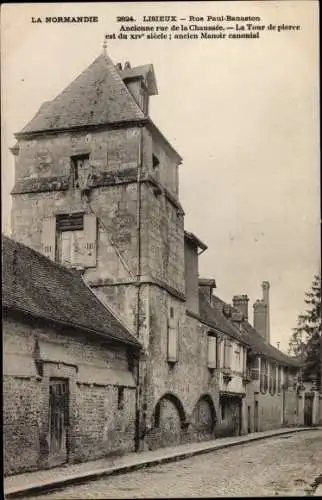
[(155, 161), (171, 312), (77, 165), (120, 398)]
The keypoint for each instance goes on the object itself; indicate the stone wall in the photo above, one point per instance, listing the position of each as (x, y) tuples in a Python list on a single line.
[(99, 423), (188, 381)]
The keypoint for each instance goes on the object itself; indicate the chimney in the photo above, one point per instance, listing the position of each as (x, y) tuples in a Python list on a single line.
[(265, 287), (261, 313), (119, 66), (240, 302), (127, 65), (207, 284)]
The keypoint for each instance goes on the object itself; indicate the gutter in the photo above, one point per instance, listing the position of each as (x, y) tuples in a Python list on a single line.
[(138, 277)]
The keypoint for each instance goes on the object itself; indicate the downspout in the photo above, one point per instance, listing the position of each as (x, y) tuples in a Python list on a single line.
[(138, 277)]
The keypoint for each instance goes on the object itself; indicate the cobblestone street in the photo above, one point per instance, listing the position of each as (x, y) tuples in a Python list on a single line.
[(287, 465)]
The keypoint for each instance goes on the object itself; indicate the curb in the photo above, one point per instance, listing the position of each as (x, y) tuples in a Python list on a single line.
[(15, 492)]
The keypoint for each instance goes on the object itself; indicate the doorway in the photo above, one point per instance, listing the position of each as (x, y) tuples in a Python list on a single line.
[(308, 409), (58, 421), (256, 417), (249, 428)]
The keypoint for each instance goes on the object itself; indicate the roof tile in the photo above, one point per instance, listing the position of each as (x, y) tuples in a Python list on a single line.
[(97, 96), (34, 284)]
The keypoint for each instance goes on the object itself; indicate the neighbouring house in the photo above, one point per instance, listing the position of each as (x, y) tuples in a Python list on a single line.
[(275, 394), (69, 367), (97, 193)]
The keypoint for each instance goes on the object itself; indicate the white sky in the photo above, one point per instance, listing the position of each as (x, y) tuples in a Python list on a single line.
[(242, 114)]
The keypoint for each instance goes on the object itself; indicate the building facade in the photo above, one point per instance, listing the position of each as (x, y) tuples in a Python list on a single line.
[(97, 190), (69, 380)]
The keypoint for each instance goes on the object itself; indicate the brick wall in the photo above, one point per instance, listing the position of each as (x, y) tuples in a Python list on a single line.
[(99, 424)]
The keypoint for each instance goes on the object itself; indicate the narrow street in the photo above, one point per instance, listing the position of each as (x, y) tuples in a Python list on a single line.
[(281, 466)]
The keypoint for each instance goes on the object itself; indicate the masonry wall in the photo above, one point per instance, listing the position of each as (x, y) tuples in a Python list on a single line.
[(270, 411), (95, 372), (188, 380), (167, 170), (163, 239), (191, 277)]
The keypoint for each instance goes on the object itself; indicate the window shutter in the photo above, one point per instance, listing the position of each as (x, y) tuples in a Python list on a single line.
[(212, 351), (77, 248), (90, 238), (48, 237), (172, 344), (65, 249)]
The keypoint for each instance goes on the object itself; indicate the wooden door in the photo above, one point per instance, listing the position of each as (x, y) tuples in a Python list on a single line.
[(58, 421), (256, 417), (308, 410), (249, 428)]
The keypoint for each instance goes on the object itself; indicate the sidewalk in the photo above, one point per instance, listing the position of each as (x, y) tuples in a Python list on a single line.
[(46, 480)]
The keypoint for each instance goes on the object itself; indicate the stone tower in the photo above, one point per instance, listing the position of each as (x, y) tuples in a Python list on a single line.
[(96, 189)]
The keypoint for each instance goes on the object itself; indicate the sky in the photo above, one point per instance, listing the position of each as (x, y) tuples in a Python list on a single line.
[(243, 114)]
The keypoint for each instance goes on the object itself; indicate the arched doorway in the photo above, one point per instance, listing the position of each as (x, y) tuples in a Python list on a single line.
[(204, 417), (168, 421)]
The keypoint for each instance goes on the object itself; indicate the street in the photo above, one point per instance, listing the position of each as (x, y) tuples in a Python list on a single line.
[(281, 466)]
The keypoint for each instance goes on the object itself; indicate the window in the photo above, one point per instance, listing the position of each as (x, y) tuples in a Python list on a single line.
[(212, 351), (227, 354), (237, 353), (155, 161), (79, 170), (255, 368), (279, 373), (172, 337), (272, 379), (120, 398), (70, 239), (264, 375)]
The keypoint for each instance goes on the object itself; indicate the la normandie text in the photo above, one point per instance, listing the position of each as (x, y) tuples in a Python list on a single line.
[(72, 19)]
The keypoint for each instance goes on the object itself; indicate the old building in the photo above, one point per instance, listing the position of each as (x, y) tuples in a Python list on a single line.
[(97, 191), (274, 394), (69, 367)]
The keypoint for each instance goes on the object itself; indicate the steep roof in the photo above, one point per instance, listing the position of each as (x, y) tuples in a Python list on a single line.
[(97, 96), (258, 344), (34, 284), (212, 316)]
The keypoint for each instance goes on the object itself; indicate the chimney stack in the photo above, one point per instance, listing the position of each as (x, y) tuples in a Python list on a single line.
[(261, 313), (240, 302), (207, 284)]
